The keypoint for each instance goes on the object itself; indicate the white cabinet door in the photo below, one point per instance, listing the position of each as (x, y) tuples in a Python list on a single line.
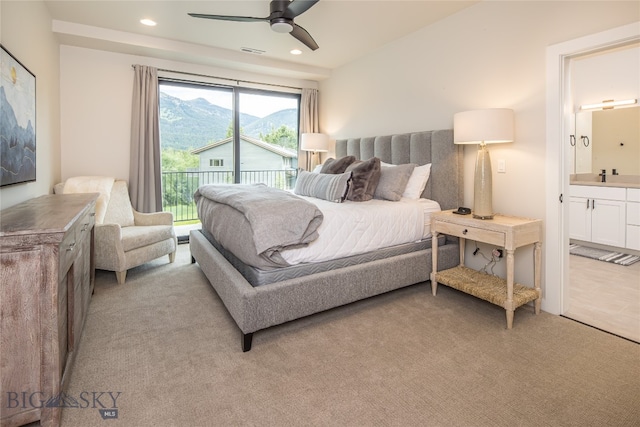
[(608, 225), (580, 218), (633, 225)]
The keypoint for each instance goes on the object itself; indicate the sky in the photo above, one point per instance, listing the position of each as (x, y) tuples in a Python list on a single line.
[(256, 105)]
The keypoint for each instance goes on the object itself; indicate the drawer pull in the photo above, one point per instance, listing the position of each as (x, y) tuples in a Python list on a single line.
[(71, 247), (92, 214), (85, 226), (465, 231)]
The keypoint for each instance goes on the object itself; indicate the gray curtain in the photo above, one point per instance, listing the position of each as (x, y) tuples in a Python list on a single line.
[(309, 122), (145, 185)]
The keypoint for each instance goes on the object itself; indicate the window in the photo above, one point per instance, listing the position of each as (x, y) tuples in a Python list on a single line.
[(216, 134)]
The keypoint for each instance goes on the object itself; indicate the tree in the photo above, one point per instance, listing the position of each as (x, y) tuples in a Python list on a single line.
[(178, 185), (230, 130), (178, 160), (283, 136)]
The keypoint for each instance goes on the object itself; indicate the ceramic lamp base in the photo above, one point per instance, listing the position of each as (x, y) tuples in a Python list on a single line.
[(482, 194)]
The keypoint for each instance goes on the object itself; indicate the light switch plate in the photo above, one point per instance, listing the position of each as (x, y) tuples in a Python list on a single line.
[(502, 166)]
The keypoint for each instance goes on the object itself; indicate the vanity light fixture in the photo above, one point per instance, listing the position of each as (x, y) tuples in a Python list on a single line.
[(609, 104)]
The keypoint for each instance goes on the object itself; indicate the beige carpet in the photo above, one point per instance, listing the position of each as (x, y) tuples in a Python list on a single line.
[(166, 343)]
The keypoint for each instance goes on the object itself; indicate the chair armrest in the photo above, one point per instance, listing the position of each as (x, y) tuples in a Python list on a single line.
[(156, 218), (109, 253)]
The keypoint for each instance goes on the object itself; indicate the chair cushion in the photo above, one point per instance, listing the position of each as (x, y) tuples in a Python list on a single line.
[(119, 210), (135, 236)]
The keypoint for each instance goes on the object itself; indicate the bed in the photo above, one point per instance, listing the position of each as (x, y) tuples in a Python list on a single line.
[(279, 295)]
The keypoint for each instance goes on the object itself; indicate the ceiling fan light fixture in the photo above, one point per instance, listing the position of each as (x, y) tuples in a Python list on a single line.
[(281, 25)]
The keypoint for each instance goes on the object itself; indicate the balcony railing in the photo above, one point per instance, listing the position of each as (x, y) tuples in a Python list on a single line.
[(178, 187)]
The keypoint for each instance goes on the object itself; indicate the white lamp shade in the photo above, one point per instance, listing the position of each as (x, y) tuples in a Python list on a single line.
[(314, 142), (487, 126)]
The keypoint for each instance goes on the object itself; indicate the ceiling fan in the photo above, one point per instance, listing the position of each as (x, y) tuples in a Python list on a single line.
[(281, 19)]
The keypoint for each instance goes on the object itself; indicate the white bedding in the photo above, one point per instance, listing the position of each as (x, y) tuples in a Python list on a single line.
[(352, 228)]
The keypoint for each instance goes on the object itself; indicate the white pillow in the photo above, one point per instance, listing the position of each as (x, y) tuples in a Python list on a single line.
[(317, 169), (417, 180)]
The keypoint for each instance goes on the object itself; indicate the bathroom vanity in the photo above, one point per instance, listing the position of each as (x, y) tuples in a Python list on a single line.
[(606, 213)]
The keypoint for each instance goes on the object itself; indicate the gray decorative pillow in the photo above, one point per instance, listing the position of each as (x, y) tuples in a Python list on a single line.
[(393, 181), (331, 187), (364, 179), (334, 166)]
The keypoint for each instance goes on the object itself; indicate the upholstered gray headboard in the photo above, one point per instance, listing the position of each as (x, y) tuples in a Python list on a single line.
[(436, 147)]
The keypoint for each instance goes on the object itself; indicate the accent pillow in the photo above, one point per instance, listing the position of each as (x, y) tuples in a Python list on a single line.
[(417, 182), (364, 179), (334, 166), (393, 181), (317, 169), (331, 187)]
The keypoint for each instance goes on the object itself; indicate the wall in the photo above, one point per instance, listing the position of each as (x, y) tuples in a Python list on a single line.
[(492, 54), (25, 31), (96, 89)]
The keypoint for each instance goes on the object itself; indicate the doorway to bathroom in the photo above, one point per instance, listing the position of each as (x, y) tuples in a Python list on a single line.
[(600, 294)]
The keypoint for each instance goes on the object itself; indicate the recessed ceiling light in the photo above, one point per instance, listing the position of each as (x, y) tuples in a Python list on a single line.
[(148, 22), (296, 52)]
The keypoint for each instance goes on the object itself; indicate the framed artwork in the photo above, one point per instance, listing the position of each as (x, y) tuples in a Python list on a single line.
[(17, 121)]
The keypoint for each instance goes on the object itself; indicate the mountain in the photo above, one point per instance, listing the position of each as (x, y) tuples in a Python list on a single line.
[(18, 148), (185, 125)]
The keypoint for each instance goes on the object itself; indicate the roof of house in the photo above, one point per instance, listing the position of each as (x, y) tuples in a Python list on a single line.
[(284, 152)]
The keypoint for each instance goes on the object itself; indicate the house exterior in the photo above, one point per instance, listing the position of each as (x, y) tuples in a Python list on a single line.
[(261, 162)]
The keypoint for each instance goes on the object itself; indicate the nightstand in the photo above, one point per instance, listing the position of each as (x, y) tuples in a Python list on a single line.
[(503, 231)]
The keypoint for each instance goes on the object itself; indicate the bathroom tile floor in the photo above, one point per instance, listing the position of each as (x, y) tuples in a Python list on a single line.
[(605, 295)]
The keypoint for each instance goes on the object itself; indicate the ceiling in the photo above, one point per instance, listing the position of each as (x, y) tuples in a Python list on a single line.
[(344, 30)]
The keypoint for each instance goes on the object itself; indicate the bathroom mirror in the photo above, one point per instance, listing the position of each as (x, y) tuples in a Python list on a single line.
[(607, 139)]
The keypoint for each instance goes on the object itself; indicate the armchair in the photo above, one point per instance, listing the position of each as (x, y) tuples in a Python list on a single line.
[(127, 238)]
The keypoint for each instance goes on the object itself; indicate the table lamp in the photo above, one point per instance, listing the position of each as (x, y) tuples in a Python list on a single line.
[(487, 126), (314, 143)]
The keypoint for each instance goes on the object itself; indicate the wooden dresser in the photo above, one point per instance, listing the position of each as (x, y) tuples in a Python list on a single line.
[(46, 282)]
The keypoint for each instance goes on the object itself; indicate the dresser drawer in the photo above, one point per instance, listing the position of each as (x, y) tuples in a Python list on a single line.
[(73, 240), (85, 224), (488, 236), (67, 251)]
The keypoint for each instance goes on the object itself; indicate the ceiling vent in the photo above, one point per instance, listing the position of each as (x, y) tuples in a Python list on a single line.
[(252, 50)]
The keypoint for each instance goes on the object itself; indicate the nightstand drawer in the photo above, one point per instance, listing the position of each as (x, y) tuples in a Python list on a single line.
[(487, 236)]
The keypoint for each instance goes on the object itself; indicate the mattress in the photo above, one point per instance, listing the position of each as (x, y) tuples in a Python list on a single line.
[(257, 277), (353, 228)]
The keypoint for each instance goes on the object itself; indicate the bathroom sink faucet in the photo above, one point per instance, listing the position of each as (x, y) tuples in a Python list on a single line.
[(603, 175)]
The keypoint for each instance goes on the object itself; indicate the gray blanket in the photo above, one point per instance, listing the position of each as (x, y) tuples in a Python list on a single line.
[(257, 221)]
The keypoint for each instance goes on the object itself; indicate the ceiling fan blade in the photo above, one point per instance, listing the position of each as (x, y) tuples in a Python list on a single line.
[(302, 35), (229, 18), (298, 7)]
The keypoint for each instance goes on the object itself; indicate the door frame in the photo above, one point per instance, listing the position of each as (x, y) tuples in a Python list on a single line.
[(558, 157)]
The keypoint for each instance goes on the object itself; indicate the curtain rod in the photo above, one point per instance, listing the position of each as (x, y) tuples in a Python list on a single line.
[(238, 81)]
